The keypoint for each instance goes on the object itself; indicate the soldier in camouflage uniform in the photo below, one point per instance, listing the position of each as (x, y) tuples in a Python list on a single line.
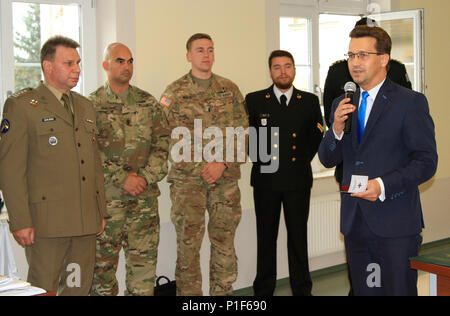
[(133, 140), (198, 185)]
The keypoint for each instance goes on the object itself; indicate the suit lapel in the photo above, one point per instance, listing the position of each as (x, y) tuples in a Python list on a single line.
[(379, 106), (52, 104)]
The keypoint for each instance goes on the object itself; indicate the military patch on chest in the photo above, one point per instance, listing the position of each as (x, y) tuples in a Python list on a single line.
[(264, 119), (48, 119), (53, 141), (34, 103), (224, 94)]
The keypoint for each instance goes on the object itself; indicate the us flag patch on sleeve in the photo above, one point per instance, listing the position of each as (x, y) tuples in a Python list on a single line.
[(165, 101)]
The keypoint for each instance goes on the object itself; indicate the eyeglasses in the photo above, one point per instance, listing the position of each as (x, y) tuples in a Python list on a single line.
[(361, 55)]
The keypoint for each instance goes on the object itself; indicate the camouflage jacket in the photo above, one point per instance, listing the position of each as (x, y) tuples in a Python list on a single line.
[(133, 137), (220, 106)]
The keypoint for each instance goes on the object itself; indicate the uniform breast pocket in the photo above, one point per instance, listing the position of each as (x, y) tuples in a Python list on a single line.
[(108, 127), (183, 117), (50, 139), (141, 123), (91, 132), (223, 109), (90, 128)]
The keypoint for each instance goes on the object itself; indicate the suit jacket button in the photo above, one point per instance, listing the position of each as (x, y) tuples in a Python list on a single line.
[(294, 147), (275, 158), (44, 198), (294, 135), (294, 159)]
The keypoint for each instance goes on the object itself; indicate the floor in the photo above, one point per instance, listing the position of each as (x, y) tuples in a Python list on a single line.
[(334, 281)]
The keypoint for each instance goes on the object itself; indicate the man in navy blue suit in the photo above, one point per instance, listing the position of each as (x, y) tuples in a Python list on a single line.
[(392, 142)]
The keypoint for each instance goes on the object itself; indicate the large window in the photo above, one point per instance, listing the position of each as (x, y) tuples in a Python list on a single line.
[(26, 25), (33, 24)]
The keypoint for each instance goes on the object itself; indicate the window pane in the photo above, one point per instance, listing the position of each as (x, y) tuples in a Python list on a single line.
[(33, 24), (295, 39), (334, 40), (402, 34), (303, 78)]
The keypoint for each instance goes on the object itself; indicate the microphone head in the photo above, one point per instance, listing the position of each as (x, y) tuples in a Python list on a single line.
[(350, 87)]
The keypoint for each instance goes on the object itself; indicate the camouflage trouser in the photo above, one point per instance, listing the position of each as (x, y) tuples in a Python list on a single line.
[(189, 202), (134, 225)]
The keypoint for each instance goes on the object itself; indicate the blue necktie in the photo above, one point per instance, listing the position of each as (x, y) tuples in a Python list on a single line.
[(362, 116)]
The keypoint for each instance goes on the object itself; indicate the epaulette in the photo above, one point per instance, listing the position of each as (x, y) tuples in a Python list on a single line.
[(396, 61), (339, 62), (21, 92)]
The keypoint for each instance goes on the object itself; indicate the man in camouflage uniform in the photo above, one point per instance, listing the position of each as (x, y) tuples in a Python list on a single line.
[(133, 140), (197, 185)]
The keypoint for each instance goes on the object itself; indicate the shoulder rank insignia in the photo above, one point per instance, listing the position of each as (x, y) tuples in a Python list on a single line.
[(21, 92)]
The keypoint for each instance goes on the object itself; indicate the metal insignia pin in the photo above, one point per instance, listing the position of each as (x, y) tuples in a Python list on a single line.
[(267, 96), (53, 141), (34, 103)]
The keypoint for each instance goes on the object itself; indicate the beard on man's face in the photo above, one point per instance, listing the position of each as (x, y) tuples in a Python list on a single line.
[(283, 84)]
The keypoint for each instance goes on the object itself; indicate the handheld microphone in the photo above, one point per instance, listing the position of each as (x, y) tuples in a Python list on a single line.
[(350, 89)]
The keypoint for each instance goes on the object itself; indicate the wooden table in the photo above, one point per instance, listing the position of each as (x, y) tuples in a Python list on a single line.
[(438, 265)]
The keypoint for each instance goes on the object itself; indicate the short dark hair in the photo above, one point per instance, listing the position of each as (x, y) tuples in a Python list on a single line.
[(49, 48), (197, 37), (384, 41), (280, 53)]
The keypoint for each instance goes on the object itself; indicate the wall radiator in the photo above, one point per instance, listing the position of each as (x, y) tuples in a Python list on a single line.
[(324, 235)]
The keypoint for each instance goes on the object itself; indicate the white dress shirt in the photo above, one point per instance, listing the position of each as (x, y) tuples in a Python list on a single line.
[(288, 94)]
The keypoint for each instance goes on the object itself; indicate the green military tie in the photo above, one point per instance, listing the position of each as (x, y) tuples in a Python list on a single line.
[(65, 99)]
